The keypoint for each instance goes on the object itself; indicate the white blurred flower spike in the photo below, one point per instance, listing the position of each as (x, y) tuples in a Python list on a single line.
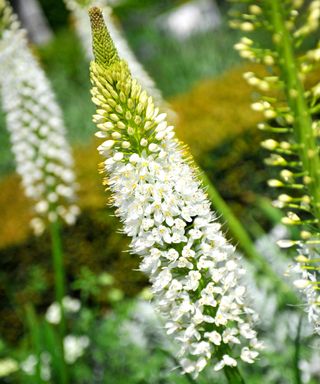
[(37, 132), (190, 18), (70, 306), (53, 314), (193, 270), (28, 366), (8, 366), (74, 347)]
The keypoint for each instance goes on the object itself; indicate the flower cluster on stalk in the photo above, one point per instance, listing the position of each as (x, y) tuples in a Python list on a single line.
[(291, 108), (37, 133), (193, 269)]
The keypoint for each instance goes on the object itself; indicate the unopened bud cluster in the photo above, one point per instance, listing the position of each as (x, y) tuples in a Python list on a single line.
[(193, 270), (79, 10), (37, 133)]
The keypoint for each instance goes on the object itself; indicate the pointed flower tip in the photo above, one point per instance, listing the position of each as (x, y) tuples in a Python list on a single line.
[(104, 50), (96, 18)]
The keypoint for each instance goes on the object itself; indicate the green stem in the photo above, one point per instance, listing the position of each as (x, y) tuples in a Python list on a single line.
[(233, 375), (297, 344), (35, 338), (245, 242), (59, 274), (308, 148)]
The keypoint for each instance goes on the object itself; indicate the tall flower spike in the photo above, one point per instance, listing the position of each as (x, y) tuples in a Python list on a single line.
[(291, 108), (37, 133), (79, 9), (193, 270)]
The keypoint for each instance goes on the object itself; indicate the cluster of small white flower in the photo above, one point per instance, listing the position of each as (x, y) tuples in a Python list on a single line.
[(312, 21), (8, 366), (79, 11), (74, 347), (29, 365), (70, 305), (193, 270), (36, 128)]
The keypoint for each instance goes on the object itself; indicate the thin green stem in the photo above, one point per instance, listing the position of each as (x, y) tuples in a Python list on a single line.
[(35, 339), (297, 350), (308, 148), (233, 375), (59, 273), (245, 242)]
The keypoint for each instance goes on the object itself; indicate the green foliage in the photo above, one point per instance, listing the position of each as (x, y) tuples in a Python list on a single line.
[(126, 7), (215, 109), (91, 246), (236, 168), (55, 12), (6, 160)]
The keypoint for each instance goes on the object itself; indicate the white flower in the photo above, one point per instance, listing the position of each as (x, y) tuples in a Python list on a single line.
[(214, 337), (226, 360), (71, 304), (29, 365), (192, 281), (37, 132), (53, 314), (230, 336), (74, 347), (248, 356), (247, 332), (8, 366)]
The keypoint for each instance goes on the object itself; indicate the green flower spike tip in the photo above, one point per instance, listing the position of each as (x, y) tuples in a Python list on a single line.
[(104, 51)]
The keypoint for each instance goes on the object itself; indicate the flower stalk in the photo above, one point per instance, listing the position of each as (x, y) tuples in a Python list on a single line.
[(290, 107), (233, 376), (37, 132), (60, 292), (302, 125), (38, 137), (59, 270), (155, 189)]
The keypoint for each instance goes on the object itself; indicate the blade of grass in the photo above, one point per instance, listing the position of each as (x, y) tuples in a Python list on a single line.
[(54, 345), (297, 345), (59, 273), (34, 328)]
